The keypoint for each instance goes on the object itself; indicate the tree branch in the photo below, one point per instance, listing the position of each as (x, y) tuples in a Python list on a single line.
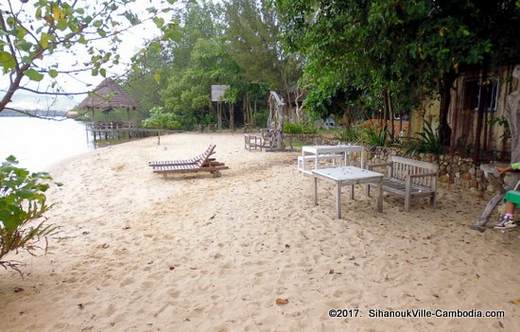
[(55, 93), (33, 115)]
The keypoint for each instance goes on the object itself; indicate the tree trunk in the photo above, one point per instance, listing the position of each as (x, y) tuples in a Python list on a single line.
[(483, 93), (231, 116), (219, 115), (391, 107), (512, 115), (245, 113), (385, 110), (445, 94)]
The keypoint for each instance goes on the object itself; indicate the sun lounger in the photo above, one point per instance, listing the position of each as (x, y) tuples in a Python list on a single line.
[(209, 151), (203, 164)]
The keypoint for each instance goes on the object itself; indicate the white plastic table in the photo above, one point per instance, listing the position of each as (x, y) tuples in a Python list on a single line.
[(348, 175), (317, 150)]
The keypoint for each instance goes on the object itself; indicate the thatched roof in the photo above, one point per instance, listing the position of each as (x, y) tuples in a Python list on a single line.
[(108, 95)]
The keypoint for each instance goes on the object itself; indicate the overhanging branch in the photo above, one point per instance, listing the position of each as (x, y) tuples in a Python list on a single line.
[(33, 115)]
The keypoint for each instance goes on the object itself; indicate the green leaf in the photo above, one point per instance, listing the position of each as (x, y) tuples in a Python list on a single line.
[(103, 72), (44, 40), (159, 22), (53, 73), (62, 24), (102, 33), (82, 40), (7, 61), (157, 77), (33, 75), (23, 45)]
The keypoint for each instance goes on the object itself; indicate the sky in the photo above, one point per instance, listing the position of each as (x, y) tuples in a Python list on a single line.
[(132, 41)]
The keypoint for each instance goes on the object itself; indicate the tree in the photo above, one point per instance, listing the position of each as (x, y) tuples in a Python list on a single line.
[(32, 36), (148, 74), (393, 53), (254, 41), (188, 95)]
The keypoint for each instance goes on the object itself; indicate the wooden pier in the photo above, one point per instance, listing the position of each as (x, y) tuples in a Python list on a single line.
[(121, 130)]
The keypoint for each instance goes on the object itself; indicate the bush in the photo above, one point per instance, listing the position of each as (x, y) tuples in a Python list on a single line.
[(351, 134), (261, 118), (159, 119), (427, 142), (374, 136), (299, 128), (22, 199)]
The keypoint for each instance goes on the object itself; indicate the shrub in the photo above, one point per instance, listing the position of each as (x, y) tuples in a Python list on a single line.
[(351, 134), (374, 136), (159, 119), (299, 128), (261, 118), (22, 199), (427, 142)]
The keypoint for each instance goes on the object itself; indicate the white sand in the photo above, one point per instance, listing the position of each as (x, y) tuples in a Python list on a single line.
[(138, 252)]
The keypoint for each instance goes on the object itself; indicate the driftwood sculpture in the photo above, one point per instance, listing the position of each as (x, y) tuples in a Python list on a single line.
[(276, 120)]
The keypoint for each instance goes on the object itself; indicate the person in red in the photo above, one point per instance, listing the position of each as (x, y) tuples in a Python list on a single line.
[(512, 199)]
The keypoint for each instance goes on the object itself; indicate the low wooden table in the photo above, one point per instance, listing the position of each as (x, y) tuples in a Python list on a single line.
[(348, 175)]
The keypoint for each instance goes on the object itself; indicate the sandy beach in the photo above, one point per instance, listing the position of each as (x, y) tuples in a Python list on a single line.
[(138, 252)]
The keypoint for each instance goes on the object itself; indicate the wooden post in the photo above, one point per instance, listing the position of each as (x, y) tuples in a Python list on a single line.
[(315, 190), (338, 200), (380, 196), (408, 184), (219, 115)]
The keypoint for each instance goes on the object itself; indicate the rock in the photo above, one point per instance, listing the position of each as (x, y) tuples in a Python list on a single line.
[(281, 301)]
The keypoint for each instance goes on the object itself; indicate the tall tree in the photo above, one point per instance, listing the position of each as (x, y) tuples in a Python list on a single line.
[(398, 49), (254, 41)]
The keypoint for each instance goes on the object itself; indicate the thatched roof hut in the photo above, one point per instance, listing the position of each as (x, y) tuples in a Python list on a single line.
[(106, 96)]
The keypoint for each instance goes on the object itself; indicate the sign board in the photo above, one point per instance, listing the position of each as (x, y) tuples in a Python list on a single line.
[(218, 91)]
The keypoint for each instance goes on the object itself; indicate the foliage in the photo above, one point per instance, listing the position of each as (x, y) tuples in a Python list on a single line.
[(32, 35), (235, 43), (392, 54), (253, 34), (149, 72), (22, 199), (427, 142), (374, 136), (159, 119), (299, 128), (352, 134), (261, 118)]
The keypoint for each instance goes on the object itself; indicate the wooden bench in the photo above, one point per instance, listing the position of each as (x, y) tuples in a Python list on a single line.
[(266, 140), (409, 178)]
